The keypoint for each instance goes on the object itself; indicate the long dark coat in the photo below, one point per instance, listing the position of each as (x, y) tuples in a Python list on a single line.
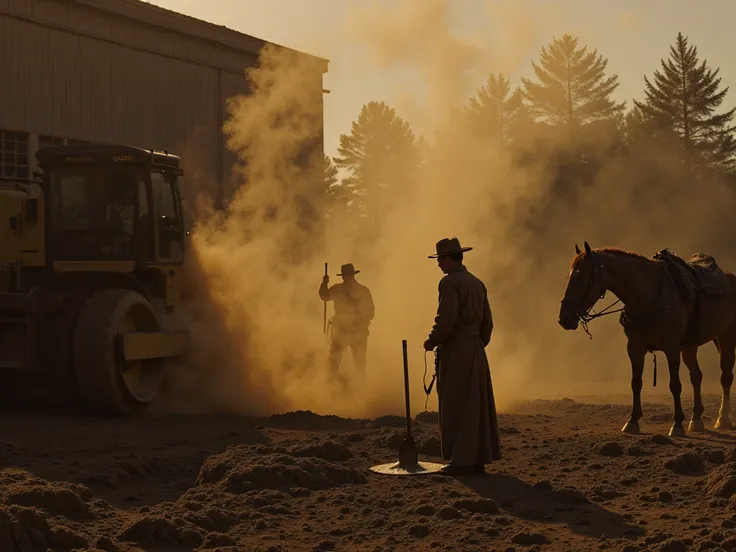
[(467, 410)]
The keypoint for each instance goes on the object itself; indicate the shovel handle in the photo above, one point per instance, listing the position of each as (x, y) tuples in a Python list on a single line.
[(406, 388), (324, 311)]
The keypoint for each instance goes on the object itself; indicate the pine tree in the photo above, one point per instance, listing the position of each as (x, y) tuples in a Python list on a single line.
[(684, 96), (380, 153), (572, 89), (330, 172), (494, 109), (643, 133), (337, 194)]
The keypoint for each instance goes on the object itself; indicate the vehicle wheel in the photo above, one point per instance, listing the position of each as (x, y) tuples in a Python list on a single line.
[(63, 337), (108, 384)]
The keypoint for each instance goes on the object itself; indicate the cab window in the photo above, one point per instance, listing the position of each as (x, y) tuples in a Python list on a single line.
[(164, 201), (165, 205)]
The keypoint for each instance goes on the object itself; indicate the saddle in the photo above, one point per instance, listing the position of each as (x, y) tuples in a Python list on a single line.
[(698, 276)]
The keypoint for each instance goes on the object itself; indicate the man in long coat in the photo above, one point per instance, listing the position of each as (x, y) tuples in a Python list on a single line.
[(462, 329), (354, 311)]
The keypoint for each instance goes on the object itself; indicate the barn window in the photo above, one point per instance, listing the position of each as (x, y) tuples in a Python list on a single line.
[(14, 154)]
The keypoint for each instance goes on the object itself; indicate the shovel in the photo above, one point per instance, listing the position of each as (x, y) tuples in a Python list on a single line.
[(408, 463), (408, 455)]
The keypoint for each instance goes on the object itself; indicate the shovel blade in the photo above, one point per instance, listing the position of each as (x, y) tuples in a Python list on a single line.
[(408, 455)]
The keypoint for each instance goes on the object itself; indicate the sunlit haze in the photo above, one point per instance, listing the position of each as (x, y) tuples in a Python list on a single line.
[(522, 204), (633, 35)]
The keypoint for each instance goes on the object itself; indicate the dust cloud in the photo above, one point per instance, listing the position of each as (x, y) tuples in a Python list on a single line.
[(259, 343)]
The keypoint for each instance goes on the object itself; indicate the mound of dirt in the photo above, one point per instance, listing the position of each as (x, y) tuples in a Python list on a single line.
[(713, 455), (658, 439), (394, 439), (431, 446), (59, 501), (309, 421), (209, 518), (721, 482), (686, 463), (64, 499), (155, 530), (327, 450), (529, 539), (28, 530), (428, 418), (508, 430), (238, 470), (390, 421), (637, 451), (612, 449), (122, 473), (353, 438), (477, 506), (674, 545)]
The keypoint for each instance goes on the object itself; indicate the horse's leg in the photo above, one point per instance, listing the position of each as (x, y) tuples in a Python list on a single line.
[(690, 358), (673, 361), (636, 352), (727, 361)]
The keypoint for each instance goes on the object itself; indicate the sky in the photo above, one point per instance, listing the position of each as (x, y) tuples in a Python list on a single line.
[(632, 34)]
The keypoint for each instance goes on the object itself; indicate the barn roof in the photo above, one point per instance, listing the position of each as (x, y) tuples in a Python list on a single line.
[(154, 15)]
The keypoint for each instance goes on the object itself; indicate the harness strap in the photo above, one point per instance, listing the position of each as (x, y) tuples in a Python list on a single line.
[(428, 389)]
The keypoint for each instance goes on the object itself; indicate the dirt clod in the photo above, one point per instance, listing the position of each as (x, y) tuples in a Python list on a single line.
[(477, 505), (448, 512), (529, 539), (721, 482), (686, 463), (611, 449), (161, 531)]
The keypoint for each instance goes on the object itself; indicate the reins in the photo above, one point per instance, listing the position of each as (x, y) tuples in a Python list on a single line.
[(587, 317)]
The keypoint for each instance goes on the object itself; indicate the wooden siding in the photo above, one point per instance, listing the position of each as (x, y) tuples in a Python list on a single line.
[(100, 20), (73, 71)]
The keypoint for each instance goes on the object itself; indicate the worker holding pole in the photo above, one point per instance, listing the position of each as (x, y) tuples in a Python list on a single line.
[(354, 311)]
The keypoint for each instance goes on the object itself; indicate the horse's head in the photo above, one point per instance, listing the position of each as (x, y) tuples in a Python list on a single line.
[(584, 287)]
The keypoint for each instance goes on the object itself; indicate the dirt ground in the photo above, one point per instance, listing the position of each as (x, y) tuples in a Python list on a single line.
[(569, 481)]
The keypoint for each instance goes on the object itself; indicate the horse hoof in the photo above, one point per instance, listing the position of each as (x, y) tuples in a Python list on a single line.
[(696, 426), (723, 423), (630, 427), (677, 431)]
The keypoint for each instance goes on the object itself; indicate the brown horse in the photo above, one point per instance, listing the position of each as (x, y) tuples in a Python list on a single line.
[(656, 317)]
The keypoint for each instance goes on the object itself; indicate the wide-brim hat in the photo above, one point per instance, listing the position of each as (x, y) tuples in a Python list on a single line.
[(347, 269), (449, 246)]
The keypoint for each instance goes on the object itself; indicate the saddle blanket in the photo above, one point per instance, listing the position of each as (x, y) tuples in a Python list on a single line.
[(699, 274)]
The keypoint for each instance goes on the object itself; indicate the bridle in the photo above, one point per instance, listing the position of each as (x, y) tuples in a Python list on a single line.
[(586, 317)]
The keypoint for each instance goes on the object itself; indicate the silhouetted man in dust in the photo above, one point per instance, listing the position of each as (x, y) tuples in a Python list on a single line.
[(462, 330), (354, 311)]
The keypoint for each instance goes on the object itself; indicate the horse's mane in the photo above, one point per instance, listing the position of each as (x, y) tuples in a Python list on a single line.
[(615, 250)]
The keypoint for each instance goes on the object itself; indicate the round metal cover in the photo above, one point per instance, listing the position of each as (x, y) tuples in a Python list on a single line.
[(393, 468)]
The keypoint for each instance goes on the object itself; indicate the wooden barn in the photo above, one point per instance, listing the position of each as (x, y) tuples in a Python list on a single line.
[(121, 71)]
